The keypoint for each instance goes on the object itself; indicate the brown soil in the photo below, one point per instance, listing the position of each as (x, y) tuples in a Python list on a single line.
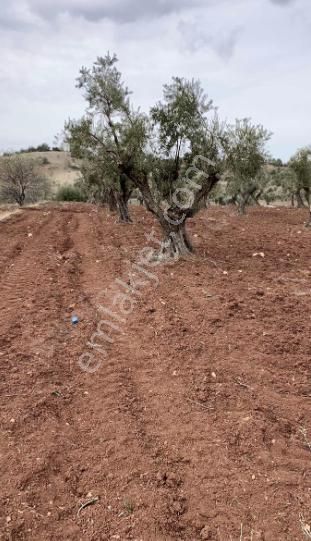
[(196, 424)]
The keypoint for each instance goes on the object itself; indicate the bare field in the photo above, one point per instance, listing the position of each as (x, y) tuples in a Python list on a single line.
[(196, 424)]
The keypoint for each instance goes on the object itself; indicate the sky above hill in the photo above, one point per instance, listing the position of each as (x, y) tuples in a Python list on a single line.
[(252, 56)]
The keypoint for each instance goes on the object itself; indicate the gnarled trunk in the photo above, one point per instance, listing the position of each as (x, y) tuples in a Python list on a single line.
[(122, 206), (173, 218), (122, 199), (176, 242)]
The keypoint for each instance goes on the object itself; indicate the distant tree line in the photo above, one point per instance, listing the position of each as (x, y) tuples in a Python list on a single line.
[(44, 147)]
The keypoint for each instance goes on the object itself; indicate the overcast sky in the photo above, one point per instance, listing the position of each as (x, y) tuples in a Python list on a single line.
[(252, 56)]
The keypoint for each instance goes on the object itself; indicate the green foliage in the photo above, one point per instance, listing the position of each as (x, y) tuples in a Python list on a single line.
[(276, 162), (246, 155), (181, 131), (110, 133), (286, 179), (44, 147), (70, 193), (179, 117), (295, 177), (300, 165)]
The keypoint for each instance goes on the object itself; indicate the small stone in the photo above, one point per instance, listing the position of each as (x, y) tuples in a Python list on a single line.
[(8, 519), (260, 292), (214, 375), (253, 476), (205, 533)]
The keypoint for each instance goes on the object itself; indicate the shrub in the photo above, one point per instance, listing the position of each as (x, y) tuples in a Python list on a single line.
[(70, 193)]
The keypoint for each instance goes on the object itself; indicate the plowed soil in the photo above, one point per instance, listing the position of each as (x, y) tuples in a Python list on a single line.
[(192, 420)]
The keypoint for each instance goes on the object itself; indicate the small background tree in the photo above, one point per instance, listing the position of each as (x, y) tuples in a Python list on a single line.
[(246, 156), (20, 182), (300, 167)]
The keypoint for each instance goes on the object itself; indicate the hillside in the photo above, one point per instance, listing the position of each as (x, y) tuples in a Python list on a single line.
[(59, 167)]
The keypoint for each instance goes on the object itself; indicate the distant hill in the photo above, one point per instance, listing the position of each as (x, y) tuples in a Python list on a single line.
[(59, 167)]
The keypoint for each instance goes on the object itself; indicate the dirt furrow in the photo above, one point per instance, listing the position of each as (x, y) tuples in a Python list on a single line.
[(197, 419)]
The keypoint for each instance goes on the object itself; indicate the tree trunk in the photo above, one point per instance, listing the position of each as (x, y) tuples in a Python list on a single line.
[(176, 242), (308, 198), (255, 196), (173, 219), (243, 200), (122, 206), (300, 202), (242, 205), (111, 200), (21, 197), (122, 199)]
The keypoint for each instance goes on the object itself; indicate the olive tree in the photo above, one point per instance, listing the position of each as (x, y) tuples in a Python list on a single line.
[(174, 156), (105, 136), (300, 166), (246, 156), (100, 189), (20, 180)]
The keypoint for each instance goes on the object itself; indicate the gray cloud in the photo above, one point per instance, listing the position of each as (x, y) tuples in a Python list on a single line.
[(282, 2), (16, 15), (114, 10), (196, 36), (249, 60)]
